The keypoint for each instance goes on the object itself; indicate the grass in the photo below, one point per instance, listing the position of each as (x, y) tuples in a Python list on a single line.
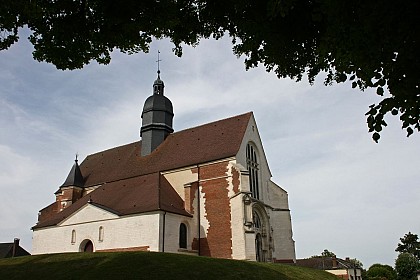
[(146, 265)]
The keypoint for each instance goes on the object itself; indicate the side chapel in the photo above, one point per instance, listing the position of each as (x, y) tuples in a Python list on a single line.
[(205, 191)]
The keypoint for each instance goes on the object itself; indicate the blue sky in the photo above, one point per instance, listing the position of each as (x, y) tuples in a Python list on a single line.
[(346, 193)]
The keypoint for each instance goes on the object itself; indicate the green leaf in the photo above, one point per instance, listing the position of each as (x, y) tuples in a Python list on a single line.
[(380, 91), (376, 137), (409, 131)]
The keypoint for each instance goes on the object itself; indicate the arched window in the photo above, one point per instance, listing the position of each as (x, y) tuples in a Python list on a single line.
[(260, 254), (101, 233), (256, 220), (252, 162), (73, 236), (183, 236)]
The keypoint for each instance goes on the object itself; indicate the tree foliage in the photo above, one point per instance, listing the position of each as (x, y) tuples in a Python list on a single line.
[(381, 272), (327, 253), (406, 266), (409, 244), (372, 44)]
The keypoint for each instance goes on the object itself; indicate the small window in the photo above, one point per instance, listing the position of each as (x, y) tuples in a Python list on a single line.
[(101, 233), (73, 236), (183, 236)]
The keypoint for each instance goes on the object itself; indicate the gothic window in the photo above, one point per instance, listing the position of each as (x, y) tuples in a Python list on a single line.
[(73, 236), (260, 236), (256, 220), (183, 236), (252, 162), (101, 233)]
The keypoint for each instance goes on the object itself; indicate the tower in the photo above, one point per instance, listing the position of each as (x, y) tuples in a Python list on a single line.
[(72, 189), (156, 117)]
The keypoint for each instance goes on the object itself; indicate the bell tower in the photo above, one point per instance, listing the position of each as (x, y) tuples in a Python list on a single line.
[(156, 117)]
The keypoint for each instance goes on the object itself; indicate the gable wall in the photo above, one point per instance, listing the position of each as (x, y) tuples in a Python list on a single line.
[(88, 213), (272, 196), (252, 135), (131, 231)]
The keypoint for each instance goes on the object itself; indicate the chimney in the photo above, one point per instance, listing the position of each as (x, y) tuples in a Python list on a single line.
[(334, 261), (15, 246)]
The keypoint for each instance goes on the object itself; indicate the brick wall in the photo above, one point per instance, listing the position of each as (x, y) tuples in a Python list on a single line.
[(214, 186)]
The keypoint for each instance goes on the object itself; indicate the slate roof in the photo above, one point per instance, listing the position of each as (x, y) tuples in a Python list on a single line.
[(130, 183), (75, 177), (6, 250), (324, 263)]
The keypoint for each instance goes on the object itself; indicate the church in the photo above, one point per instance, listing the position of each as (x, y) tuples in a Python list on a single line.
[(204, 191)]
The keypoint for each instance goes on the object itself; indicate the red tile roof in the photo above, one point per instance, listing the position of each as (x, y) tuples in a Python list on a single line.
[(140, 194), (132, 184), (209, 142)]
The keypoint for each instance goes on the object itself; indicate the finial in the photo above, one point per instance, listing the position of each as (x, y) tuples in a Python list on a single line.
[(158, 60), (76, 157)]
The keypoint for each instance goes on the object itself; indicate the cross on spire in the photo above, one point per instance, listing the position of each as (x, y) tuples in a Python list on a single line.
[(158, 60)]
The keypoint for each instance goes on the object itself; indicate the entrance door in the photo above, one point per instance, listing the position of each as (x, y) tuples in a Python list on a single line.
[(88, 247), (258, 248)]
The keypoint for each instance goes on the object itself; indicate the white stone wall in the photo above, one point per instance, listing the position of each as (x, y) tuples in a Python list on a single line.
[(129, 231), (238, 231), (172, 223), (284, 245), (178, 178), (86, 214), (276, 196)]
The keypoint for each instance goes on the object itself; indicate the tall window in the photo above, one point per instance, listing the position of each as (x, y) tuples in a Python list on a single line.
[(101, 233), (183, 236), (73, 236), (258, 228), (252, 162), (256, 220)]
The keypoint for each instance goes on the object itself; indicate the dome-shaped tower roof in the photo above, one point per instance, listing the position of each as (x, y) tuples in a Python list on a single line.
[(157, 118)]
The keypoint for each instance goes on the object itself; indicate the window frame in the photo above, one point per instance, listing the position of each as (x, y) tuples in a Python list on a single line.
[(183, 236), (101, 234), (73, 236), (252, 161)]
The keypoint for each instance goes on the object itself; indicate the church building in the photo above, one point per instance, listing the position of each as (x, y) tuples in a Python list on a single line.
[(204, 191)]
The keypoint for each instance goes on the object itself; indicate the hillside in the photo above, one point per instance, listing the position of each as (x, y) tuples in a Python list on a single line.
[(145, 265)]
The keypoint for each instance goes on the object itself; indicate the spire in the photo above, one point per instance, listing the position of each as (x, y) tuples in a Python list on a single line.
[(75, 177), (158, 85)]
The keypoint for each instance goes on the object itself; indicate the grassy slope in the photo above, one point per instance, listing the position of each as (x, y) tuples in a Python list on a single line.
[(143, 265)]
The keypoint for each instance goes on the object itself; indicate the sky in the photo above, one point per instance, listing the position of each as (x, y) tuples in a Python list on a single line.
[(347, 194)]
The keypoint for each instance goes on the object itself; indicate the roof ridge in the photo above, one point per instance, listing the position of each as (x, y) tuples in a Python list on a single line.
[(216, 121), (179, 131)]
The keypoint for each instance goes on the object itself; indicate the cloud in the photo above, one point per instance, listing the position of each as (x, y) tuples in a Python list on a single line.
[(347, 194)]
